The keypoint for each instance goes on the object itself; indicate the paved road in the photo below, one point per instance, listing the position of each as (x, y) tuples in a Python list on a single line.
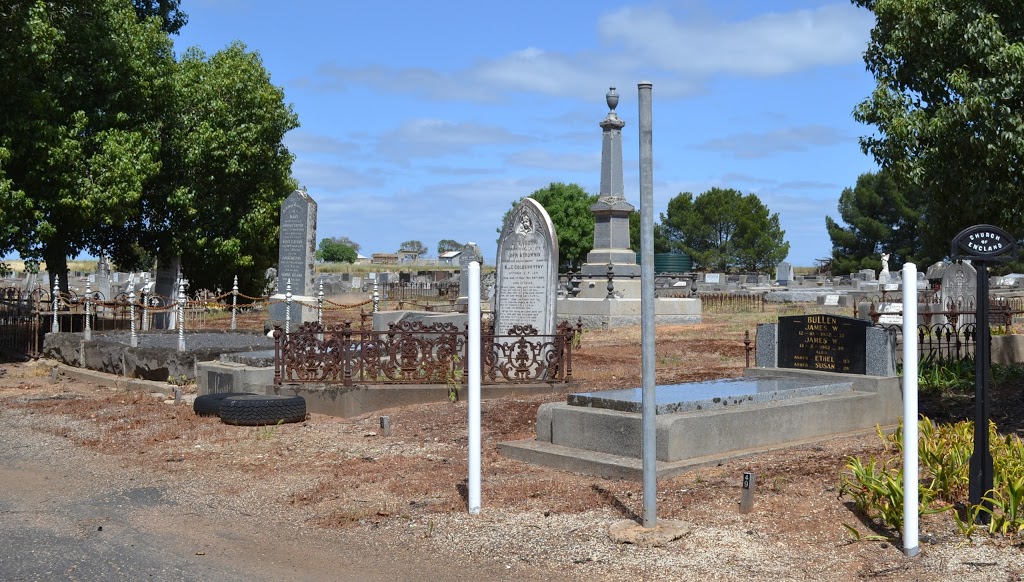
[(68, 514)]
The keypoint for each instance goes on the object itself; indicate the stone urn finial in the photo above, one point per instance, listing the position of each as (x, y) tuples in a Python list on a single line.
[(612, 98)]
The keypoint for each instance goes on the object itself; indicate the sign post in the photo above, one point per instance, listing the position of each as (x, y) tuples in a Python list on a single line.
[(982, 244)]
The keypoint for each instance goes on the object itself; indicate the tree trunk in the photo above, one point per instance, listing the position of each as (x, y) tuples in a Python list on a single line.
[(57, 265)]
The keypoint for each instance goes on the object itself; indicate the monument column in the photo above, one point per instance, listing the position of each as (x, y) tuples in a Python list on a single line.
[(611, 211)]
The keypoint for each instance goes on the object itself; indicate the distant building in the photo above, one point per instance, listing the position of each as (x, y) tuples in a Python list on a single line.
[(384, 258), (449, 258), (408, 256)]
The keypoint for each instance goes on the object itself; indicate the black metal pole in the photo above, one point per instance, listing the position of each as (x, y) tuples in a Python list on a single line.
[(981, 461)]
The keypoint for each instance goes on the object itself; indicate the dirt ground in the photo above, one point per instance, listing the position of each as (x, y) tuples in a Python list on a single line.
[(408, 488)]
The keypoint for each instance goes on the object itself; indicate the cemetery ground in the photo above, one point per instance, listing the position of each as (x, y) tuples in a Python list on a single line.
[(344, 484)]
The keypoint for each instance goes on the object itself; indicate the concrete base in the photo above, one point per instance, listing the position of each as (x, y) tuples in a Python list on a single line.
[(363, 399), (609, 313), (333, 400), (218, 376), (608, 443), (1007, 349)]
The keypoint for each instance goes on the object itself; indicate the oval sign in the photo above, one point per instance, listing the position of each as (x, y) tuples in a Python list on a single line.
[(983, 241)]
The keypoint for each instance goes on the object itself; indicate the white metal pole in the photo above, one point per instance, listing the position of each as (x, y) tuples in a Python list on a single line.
[(473, 363), (910, 458)]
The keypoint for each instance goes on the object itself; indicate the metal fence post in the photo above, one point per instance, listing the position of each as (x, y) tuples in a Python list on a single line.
[(88, 328), (288, 308), (234, 304), (56, 303), (131, 311), (320, 304), (181, 317)]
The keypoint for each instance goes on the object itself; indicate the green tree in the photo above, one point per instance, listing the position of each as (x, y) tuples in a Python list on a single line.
[(661, 242), (172, 19), (225, 171), (568, 205), (947, 110), (447, 245), (344, 240), (413, 246), (333, 250), (84, 87), (879, 219), (724, 230)]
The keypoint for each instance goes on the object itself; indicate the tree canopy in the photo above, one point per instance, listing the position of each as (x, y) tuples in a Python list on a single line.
[(225, 171), (333, 250), (85, 88), (724, 230), (568, 205), (413, 246), (448, 245), (661, 242), (947, 110), (880, 218), (167, 11), (108, 145)]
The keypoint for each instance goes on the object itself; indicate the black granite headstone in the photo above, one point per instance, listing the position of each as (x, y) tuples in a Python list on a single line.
[(829, 343)]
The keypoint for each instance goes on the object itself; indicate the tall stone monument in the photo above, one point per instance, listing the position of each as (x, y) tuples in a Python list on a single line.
[(527, 270), (611, 211), (609, 292), (296, 259)]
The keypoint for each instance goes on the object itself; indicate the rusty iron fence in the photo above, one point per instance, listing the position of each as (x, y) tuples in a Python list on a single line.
[(22, 327), (731, 302), (415, 353)]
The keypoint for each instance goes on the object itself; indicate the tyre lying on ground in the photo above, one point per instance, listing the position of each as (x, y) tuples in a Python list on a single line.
[(254, 409), (209, 404)]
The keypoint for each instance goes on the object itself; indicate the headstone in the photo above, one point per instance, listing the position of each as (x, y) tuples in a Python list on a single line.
[(167, 276), (960, 287), (527, 270), (784, 273), (470, 252), (867, 274), (822, 342), (296, 256), (713, 278), (832, 300), (890, 313)]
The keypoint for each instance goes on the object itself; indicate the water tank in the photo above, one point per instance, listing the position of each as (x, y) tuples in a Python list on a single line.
[(670, 262)]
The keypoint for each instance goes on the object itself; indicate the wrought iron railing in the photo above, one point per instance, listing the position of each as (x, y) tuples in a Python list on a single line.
[(414, 353)]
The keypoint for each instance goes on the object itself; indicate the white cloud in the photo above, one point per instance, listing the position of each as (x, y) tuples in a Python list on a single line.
[(783, 140), (768, 44), (435, 138), (319, 176), (675, 53), (554, 161), (313, 143)]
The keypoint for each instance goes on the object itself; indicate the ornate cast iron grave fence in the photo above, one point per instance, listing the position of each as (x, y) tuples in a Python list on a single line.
[(414, 353)]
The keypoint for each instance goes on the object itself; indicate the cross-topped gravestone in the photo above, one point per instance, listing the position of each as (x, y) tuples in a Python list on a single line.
[(296, 255), (470, 252), (527, 270)]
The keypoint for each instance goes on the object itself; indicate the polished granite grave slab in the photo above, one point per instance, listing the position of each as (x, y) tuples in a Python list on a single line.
[(709, 394)]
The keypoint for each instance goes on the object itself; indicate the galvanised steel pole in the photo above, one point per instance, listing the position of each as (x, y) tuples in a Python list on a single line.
[(650, 474)]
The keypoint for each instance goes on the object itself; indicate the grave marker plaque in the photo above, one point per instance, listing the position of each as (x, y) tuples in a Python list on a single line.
[(830, 343)]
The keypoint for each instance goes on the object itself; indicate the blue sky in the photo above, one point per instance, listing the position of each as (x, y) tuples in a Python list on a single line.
[(426, 120)]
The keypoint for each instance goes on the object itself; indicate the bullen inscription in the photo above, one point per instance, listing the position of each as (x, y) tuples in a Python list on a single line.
[(828, 343)]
